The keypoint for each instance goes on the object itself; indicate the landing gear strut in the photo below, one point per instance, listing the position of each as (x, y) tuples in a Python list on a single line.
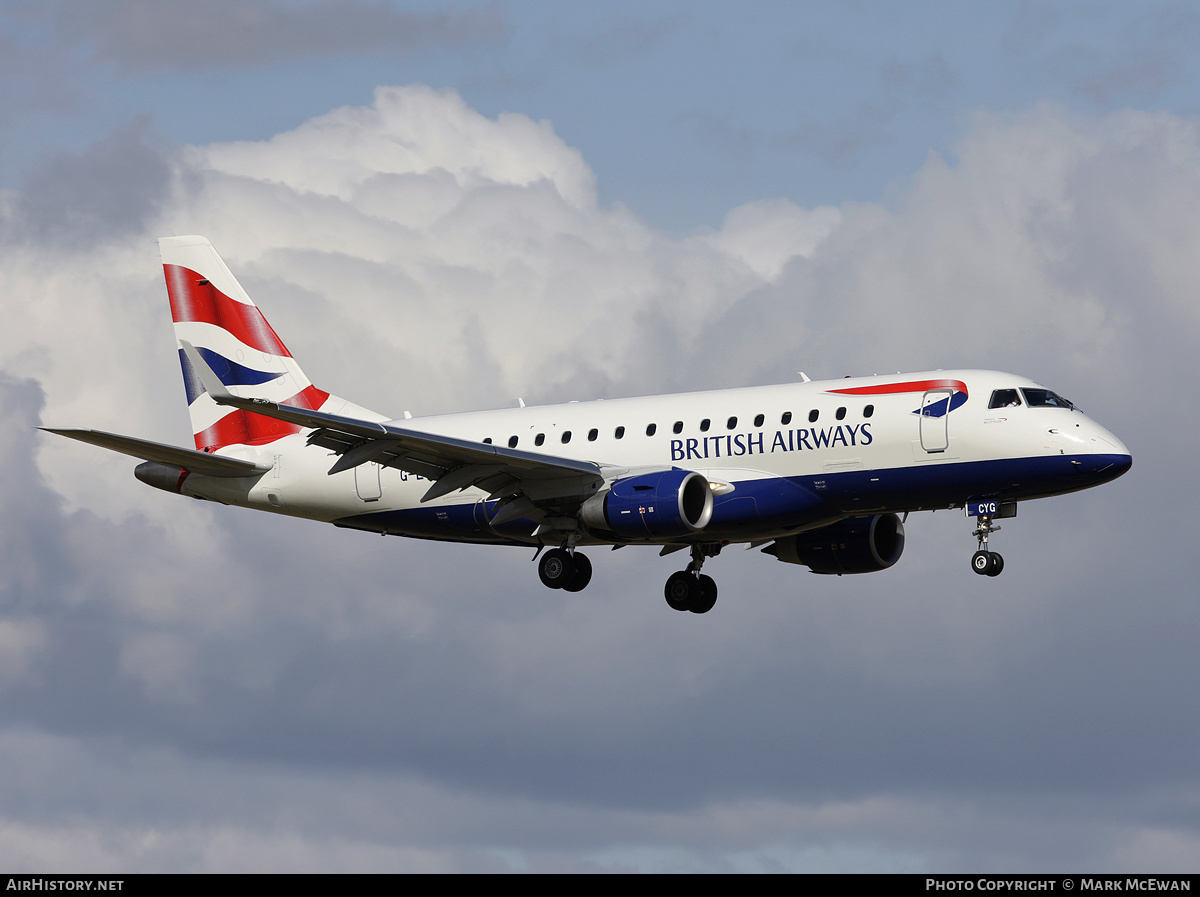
[(691, 590), (984, 562)]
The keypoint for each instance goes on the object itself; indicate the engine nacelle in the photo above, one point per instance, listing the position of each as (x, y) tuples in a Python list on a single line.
[(167, 477), (658, 505), (858, 545)]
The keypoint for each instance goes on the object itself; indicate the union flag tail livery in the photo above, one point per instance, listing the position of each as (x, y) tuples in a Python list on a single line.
[(213, 313), (816, 473)]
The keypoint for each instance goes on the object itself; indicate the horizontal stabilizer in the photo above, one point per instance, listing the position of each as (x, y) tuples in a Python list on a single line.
[(189, 459)]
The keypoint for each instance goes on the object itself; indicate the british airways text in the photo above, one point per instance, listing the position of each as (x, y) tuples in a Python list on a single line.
[(733, 444)]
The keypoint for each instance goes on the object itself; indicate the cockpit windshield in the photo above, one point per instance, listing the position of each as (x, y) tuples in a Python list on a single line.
[(1044, 398), (1004, 398)]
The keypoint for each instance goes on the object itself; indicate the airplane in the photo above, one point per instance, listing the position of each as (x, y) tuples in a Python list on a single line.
[(815, 473)]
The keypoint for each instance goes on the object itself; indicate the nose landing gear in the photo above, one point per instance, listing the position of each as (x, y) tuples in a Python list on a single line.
[(984, 562), (691, 590)]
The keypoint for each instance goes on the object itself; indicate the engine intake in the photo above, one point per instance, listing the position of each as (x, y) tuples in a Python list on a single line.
[(655, 505), (858, 545)]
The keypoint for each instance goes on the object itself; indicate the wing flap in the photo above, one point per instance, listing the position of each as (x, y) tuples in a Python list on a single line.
[(460, 478)]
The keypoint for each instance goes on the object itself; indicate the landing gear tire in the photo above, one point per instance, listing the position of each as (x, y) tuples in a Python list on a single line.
[(996, 566), (583, 574), (687, 591), (680, 588), (690, 589), (987, 563), (557, 569), (980, 562), (703, 602)]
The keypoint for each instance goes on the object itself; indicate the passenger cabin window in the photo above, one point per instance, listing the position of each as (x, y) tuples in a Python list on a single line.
[(704, 424), (731, 423), (512, 441), (592, 434), (813, 415), (651, 429), (619, 433), (868, 411), (539, 439), (841, 414), (488, 440), (786, 419), (1004, 398), (678, 428), (759, 419), (566, 436), (1044, 398)]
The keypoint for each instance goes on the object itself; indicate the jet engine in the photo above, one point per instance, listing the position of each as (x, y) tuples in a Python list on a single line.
[(167, 477), (657, 505), (857, 545)]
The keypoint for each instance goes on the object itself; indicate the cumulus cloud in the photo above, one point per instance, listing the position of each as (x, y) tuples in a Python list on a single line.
[(353, 152), (317, 693)]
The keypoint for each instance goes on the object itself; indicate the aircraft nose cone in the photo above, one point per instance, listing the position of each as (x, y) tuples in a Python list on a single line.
[(1122, 464), (1102, 468), (1111, 458), (1108, 442)]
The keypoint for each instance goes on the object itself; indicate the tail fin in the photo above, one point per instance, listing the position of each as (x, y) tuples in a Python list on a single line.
[(212, 312)]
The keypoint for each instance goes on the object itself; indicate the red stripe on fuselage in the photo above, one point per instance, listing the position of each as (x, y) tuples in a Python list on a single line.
[(246, 428), (192, 300), (889, 389)]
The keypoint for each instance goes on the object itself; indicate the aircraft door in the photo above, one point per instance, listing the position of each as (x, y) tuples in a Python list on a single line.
[(366, 481), (935, 420)]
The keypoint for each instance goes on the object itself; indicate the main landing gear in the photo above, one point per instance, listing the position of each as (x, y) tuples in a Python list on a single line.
[(984, 562), (566, 569), (561, 568), (691, 590)]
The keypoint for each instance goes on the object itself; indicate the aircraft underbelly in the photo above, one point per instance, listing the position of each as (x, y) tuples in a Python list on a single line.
[(762, 507)]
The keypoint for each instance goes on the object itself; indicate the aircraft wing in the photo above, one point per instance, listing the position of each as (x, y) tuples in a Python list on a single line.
[(522, 480), (196, 462)]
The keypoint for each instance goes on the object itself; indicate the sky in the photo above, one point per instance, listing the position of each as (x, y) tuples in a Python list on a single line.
[(442, 207)]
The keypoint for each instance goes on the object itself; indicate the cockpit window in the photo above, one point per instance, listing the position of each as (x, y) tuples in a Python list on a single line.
[(1044, 398), (1004, 398)]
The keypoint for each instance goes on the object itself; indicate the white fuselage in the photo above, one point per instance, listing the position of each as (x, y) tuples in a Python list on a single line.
[(848, 446)]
